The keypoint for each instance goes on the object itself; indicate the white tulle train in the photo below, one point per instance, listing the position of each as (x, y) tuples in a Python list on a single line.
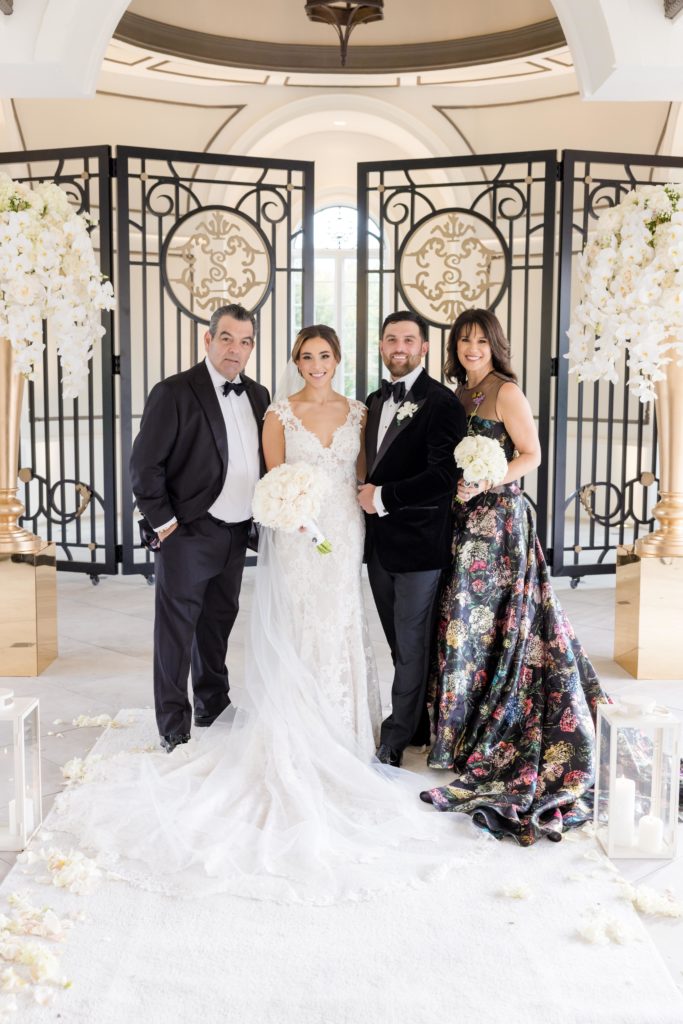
[(277, 800)]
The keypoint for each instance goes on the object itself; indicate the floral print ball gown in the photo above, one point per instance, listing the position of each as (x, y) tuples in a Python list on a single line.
[(513, 696)]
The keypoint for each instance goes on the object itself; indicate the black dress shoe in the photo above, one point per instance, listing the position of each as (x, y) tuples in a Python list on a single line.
[(204, 721), (387, 755), (173, 740)]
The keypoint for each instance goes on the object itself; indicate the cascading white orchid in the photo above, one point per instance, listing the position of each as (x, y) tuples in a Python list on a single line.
[(630, 287), (48, 270)]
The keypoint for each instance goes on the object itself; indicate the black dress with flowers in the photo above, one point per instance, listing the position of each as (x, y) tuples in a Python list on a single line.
[(513, 697)]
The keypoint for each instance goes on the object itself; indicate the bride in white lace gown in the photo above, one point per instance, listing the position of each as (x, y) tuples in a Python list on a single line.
[(282, 798), (325, 590)]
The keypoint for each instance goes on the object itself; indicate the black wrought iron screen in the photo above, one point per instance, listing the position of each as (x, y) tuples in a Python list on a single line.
[(196, 231), (440, 236), (67, 462), (605, 480)]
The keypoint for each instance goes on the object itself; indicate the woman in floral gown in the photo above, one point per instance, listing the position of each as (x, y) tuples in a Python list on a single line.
[(513, 696)]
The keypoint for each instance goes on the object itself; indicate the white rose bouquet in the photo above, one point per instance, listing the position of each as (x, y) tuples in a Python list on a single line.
[(289, 498), (481, 458), (48, 270)]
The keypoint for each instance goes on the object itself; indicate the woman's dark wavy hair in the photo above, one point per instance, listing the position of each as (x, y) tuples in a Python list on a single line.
[(490, 325)]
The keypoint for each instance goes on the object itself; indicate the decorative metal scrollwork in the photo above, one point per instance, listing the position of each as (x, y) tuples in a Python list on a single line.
[(620, 505), (451, 261), (214, 256)]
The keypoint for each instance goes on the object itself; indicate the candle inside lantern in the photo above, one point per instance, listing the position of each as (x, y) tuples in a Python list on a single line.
[(623, 811), (650, 834), (28, 816)]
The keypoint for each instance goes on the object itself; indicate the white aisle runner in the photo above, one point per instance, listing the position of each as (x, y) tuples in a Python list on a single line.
[(457, 951)]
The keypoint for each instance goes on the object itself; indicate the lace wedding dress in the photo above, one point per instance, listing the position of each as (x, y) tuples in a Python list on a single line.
[(325, 590), (282, 798)]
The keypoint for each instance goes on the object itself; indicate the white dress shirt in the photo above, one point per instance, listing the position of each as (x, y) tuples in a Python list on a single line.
[(389, 410), (233, 504)]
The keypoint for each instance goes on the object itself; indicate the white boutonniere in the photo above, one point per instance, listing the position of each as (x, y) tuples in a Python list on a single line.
[(407, 410)]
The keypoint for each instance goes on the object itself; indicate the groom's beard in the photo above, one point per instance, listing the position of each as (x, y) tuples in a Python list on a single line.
[(402, 369)]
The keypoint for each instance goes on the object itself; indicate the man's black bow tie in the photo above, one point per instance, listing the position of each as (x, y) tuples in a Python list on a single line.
[(230, 385), (396, 391)]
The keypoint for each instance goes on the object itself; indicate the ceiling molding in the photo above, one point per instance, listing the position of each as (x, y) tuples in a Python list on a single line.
[(292, 57)]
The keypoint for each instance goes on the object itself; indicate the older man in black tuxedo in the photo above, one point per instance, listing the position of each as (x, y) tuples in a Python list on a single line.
[(194, 466), (413, 425)]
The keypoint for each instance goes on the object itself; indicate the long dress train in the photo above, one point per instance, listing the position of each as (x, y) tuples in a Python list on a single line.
[(279, 798), (513, 696)]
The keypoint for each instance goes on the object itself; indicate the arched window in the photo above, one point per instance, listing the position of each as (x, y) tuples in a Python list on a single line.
[(335, 242)]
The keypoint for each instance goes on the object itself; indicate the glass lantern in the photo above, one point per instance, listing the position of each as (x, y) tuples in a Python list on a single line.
[(20, 793), (636, 787)]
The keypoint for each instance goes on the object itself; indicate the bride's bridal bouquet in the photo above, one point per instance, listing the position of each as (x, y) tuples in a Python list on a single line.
[(481, 458), (289, 497)]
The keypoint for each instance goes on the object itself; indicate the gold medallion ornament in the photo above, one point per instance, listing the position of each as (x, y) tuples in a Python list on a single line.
[(451, 261), (215, 256)]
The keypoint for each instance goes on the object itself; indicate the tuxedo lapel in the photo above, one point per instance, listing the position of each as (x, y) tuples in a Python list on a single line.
[(372, 427), (202, 385), (259, 404), (256, 401), (416, 396)]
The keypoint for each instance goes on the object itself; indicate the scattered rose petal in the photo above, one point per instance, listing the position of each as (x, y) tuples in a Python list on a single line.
[(96, 721), (516, 891), (649, 901), (599, 928), (71, 870), (77, 770)]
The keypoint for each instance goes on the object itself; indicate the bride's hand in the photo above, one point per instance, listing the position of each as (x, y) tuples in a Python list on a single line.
[(468, 491)]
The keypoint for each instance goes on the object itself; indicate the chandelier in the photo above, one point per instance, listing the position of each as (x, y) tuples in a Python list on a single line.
[(344, 16)]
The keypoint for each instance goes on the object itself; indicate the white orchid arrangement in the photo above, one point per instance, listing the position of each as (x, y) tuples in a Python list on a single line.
[(630, 284), (48, 271)]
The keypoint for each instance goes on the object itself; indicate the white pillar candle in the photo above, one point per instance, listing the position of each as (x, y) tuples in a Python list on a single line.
[(650, 834), (623, 812), (28, 816)]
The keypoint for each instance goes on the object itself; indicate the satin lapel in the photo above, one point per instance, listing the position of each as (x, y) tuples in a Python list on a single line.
[(257, 403), (258, 407), (418, 396), (372, 427), (202, 385)]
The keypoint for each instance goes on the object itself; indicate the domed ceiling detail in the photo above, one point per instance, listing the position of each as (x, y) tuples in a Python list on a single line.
[(275, 35)]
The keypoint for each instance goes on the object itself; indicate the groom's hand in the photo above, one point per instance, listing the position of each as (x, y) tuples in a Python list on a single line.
[(366, 494)]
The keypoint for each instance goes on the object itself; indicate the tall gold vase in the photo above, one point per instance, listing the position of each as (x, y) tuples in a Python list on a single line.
[(14, 539), (667, 540), (28, 577)]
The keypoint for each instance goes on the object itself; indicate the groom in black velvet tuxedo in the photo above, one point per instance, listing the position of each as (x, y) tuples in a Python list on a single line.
[(413, 426), (194, 466)]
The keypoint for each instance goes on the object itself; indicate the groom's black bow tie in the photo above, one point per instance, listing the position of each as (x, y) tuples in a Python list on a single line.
[(230, 385), (396, 391)]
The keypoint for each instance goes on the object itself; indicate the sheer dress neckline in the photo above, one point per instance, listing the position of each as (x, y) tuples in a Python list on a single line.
[(300, 423)]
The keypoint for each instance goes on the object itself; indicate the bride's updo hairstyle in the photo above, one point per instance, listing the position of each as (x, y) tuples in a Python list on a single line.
[(328, 334), (500, 347)]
